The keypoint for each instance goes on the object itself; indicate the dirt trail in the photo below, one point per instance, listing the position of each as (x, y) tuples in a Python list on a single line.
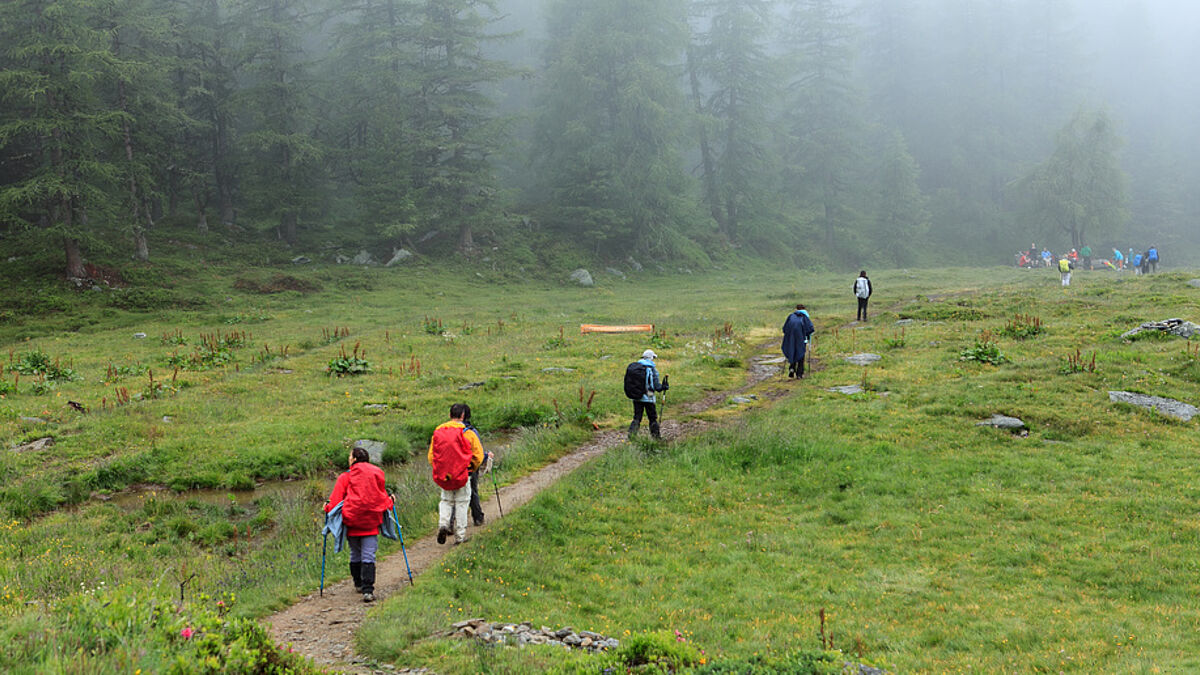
[(323, 628)]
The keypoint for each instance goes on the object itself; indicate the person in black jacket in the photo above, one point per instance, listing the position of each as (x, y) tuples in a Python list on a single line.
[(862, 291)]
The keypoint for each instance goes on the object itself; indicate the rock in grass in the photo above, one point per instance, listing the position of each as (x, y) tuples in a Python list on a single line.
[(905, 322), (1002, 422), (742, 400), (374, 449), (35, 446), (363, 258), (139, 336), (1194, 283), (848, 389), (582, 277), (33, 420), (1179, 410), (1184, 329), (864, 359), (558, 370), (399, 256), (301, 260)]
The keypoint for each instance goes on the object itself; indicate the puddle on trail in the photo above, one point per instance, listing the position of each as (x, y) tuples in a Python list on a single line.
[(296, 489)]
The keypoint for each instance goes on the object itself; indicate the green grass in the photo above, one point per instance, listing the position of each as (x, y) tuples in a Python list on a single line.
[(931, 544)]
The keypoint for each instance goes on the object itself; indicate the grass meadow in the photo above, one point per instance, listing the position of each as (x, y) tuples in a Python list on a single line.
[(931, 545)]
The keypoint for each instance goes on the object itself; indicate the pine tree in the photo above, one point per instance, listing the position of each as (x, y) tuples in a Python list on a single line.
[(822, 113), (280, 156), (1080, 189), (607, 136), (56, 125), (731, 77)]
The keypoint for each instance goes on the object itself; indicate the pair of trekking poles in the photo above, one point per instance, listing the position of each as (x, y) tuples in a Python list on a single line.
[(400, 535)]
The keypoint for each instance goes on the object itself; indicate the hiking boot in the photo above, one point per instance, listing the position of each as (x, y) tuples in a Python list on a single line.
[(368, 597), (442, 534), (654, 433), (461, 540), (633, 429), (356, 575), (478, 521)]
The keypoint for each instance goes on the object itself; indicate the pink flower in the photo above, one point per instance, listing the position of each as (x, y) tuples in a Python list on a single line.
[(186, 632)]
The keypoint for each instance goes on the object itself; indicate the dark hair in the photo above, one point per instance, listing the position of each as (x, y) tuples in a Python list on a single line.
[(862, 273), (799, 306), (360, 455), (460, 410)]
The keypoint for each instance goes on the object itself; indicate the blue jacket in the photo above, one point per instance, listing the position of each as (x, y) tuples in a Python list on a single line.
[(796, 331), (652, 382)]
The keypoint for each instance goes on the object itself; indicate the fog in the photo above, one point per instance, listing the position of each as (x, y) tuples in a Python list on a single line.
[(820, 133)]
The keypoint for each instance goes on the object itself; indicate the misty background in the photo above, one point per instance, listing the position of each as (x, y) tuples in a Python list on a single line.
[(816, 133)]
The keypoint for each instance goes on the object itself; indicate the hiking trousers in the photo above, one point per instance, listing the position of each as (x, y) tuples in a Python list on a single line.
[(452, 500), (862, 309), (651, 411)]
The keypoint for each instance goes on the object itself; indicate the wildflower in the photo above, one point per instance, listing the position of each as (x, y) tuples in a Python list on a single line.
[(186, 632)]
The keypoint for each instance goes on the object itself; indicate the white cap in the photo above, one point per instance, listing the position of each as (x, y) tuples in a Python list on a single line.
[(649, 354)]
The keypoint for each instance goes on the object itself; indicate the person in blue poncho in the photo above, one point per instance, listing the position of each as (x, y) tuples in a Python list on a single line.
[(796, 331)]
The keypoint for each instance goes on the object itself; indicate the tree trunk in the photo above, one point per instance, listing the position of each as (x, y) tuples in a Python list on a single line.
[(711, 198), (74, 259), (466, 240), (201, 211), (142, 249), (288, 224)]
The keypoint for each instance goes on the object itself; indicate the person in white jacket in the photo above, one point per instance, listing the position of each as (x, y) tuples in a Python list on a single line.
[(862, 291)]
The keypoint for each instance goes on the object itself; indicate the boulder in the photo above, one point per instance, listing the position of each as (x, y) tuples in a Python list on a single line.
[(1194, 283), (139, 336), (864, 359), (637, 266), (301, 260), (363, 258), (1184, 329), (848, 389), (35, 446), (374, 449), (615, 272), (1179, 410), (742, 400), (905, 322), (1002, 422), (400, 255), (582, 277)]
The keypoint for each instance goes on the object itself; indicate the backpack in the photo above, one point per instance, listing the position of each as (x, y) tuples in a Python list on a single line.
[(451, 458), (1153, 255), (635, 380)]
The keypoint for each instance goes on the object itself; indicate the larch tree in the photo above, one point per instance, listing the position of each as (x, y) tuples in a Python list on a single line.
[(821, 113), (1080, 190), (731, 77), (608, 128), (54, 123)]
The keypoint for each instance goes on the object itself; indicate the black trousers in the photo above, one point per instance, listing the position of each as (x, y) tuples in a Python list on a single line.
[(651, 412), (476, 507), (862, 309)]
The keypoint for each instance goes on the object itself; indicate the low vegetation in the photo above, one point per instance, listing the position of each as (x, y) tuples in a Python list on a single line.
[(924, 542)]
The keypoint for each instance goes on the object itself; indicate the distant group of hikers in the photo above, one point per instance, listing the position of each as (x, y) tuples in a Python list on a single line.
[(1145, 262), (457, 458)]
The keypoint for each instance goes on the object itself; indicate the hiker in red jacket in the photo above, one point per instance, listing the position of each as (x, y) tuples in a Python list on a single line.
[(454, 452), (364, 498)]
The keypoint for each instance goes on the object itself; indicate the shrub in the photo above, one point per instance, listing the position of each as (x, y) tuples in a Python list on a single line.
[(1023, 326), (348, 364), (985, 350), (38, 362)]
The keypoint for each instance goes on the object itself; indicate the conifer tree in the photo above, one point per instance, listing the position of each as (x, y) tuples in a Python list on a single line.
[(56, 125)]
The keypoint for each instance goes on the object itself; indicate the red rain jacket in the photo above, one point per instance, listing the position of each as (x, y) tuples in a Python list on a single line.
[(362, 490)]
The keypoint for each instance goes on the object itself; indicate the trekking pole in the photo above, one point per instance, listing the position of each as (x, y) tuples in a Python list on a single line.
[(400, 531), (324, 542), (497, 486)]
